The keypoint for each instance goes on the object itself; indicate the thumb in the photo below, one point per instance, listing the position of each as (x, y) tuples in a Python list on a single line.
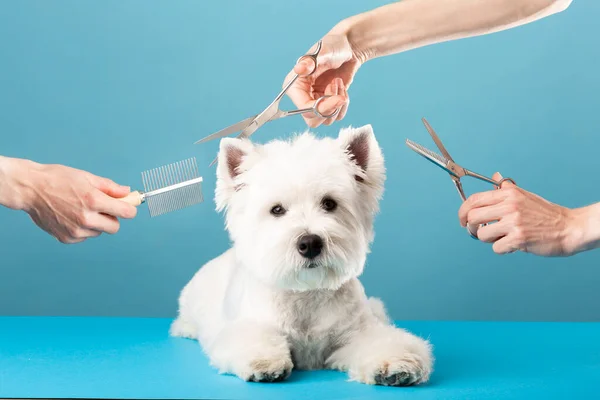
[(304, 66), (110, 188), (330, 57)]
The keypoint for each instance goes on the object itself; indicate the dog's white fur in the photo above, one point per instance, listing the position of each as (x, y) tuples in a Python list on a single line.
[(258, 310)]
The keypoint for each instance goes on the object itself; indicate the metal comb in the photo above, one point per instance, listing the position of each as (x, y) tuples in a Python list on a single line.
[(169, 188)]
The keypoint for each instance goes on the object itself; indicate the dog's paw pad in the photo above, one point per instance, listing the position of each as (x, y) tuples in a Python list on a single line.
[(270, 376), (399, 373), (267, 371), (396, 379)]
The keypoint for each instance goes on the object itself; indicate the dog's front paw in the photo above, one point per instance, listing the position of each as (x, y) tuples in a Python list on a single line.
[(404, 371), (259, 354), (269, 370)]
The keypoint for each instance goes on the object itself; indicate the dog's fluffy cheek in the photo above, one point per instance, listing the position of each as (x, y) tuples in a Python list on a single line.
[(266, 248)]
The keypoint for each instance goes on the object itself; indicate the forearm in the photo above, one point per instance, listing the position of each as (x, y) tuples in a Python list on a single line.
[(13, 188), (409, 24), (584, 230)]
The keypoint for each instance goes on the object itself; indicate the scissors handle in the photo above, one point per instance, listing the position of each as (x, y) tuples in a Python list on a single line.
[(314, 109), (501, 181), (472, 229), (313, 57), (488, 180)]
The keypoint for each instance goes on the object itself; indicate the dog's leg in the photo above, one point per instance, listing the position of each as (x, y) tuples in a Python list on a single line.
[(384, 355), (183, 328), (252, 351)]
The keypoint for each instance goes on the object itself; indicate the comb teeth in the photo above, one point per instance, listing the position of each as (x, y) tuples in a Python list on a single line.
[(424, 151), (172, 187)]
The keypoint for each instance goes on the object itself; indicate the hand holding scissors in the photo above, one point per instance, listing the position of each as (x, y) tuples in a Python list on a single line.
[(273, 112), (456, 172)]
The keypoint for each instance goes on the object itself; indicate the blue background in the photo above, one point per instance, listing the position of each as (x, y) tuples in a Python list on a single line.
[(118, 87)]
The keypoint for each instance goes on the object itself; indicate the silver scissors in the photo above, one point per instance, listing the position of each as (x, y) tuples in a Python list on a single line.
[(456, 172), (272, 112)]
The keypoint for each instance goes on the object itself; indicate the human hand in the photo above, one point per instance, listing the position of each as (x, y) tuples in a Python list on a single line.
[(337, 65), (70, 204), (525, 221)]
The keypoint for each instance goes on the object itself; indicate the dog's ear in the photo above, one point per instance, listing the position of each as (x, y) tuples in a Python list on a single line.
[(361, 147), (231, 164)]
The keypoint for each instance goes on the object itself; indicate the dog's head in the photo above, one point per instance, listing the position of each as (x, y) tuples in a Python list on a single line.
[(300, 212)]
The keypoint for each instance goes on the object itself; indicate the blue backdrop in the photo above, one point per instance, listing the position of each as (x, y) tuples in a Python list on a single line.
[(117, 87)]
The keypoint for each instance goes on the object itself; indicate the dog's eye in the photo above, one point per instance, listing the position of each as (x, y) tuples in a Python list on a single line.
[(277, 210), (328, 204)]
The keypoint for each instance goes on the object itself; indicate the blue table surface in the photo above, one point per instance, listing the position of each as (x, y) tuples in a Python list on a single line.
[(128, 358)]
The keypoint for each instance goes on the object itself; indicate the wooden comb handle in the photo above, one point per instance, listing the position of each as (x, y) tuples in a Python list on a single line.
[(133, 198)]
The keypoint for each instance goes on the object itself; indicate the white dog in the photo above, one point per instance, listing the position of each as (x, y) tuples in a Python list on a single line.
[(300, 215)]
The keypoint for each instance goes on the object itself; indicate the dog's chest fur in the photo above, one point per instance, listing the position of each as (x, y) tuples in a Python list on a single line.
[(317, 322)]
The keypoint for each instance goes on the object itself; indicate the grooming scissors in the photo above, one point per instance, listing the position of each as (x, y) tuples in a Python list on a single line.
[(272, 112), (456, 172)]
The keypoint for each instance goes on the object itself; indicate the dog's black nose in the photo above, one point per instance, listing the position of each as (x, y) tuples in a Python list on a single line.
[(310, 246)]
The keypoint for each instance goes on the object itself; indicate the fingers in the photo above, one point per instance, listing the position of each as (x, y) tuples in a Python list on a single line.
[(115, 207), (340, 91), (108, 187), (301, 95), (79, 236), (90, 226), (107, 199), (497, 177), (66, 235), (504, 246), (493, 232), (484, 215), (344, 93), (482, 199), (84, 233), (486, 207), (329, 105), (331, 90), (102, 223), (85, 229)]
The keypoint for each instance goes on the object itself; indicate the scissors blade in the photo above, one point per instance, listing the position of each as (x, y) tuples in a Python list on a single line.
[(437, 140), (229, 130), (435, 158), (270, 113)]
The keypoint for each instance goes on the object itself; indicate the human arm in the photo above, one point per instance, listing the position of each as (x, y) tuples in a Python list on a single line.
[(398, 27), (70, 204)]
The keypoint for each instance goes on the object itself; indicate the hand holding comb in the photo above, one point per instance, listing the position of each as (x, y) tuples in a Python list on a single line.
[(169, 188)]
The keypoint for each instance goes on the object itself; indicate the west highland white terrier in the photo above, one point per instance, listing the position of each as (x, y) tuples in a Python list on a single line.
[(286, 295)]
